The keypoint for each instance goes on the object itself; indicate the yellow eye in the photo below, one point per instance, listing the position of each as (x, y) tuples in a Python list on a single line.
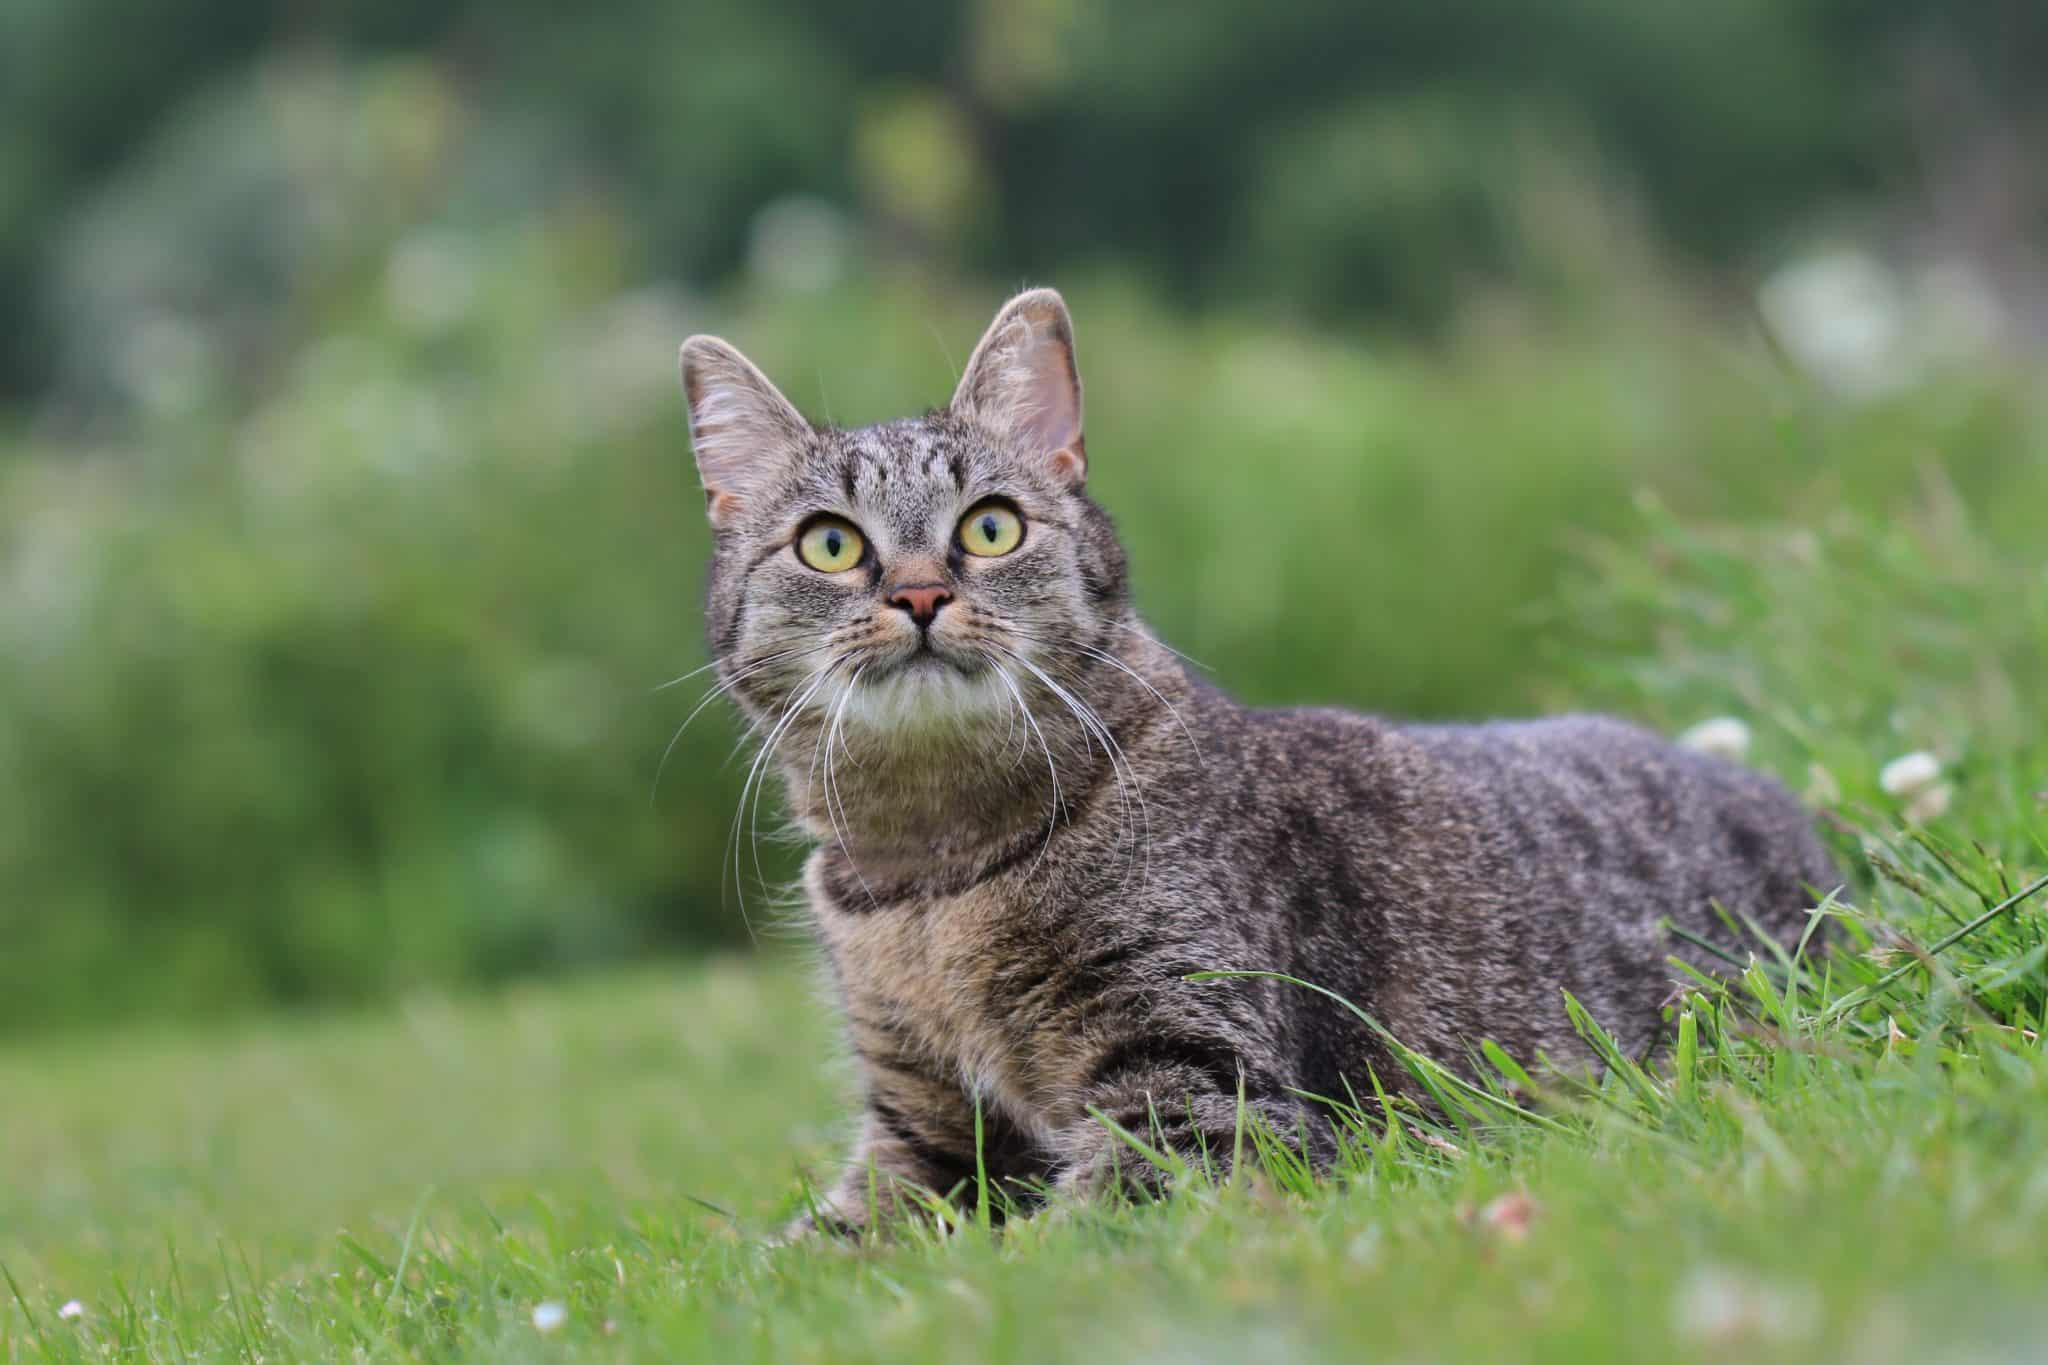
[(830, 545), (990, 530)]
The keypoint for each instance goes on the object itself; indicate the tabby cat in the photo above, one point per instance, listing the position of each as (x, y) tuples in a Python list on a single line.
[(1033, 823)]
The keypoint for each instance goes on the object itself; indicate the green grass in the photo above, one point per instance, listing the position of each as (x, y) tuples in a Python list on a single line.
[(1840, 1157), (415, 1187)]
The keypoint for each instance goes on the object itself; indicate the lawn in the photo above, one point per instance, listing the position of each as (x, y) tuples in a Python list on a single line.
[(420, 1186), (1845, 1157)]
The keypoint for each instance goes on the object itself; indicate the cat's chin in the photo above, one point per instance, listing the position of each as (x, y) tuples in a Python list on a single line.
[(926, 693)]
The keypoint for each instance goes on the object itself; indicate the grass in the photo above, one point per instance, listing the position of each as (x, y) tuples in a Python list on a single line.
[(415, 1187), (1839, 1157)]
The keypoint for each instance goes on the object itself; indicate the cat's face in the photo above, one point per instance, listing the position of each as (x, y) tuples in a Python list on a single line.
[(914, 578)]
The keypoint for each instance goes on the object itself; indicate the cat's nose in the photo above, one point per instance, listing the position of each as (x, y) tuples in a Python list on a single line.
[(922, 602)]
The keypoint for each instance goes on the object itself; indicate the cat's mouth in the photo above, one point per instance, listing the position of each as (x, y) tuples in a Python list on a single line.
[(924, 685), (926, 659)]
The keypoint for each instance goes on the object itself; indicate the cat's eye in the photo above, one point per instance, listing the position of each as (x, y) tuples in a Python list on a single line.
[(991, 529), (830, 545)]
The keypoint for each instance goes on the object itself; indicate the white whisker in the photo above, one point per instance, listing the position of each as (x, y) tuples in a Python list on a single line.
[(1142, 633), (706, 700), (1052, 822), (839, 818), (705, 668), (1104, 656), (787, 716), (767, 753), (1093, 725), (1171, 709)]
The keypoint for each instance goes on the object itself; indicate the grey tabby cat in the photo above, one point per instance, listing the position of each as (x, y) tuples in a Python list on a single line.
[(1033, 823)]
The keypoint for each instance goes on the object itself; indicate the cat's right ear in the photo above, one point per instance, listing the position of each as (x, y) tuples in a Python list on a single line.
[(1021, 381), (741, 427)]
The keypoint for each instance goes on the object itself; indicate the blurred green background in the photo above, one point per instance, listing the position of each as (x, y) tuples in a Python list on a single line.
[(347, 523)]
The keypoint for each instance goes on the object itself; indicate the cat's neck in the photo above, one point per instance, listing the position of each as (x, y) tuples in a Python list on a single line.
[(914, 804)]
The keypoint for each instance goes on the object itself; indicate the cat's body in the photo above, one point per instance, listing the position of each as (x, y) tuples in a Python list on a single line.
[(1034, 822)]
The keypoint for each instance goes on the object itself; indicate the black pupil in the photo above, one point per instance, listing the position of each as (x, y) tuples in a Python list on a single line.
[(988, 529), (833, 540)]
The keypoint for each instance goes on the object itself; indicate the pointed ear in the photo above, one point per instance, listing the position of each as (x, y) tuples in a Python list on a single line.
[(1022, 383), (741, 426)]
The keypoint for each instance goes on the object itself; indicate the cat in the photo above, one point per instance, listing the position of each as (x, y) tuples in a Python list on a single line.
[(1032, 823)]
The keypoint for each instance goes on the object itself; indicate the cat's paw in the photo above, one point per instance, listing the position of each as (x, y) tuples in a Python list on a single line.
[(1116, 1172), (822, 1224)]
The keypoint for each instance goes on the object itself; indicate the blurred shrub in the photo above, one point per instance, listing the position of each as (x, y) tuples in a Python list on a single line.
[(330, 668), (1381, 208), (351, 691), (1831, 632), (329, 671), (187, 271), (1024, 135)]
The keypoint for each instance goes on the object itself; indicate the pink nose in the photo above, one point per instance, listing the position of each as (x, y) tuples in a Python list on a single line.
[(922, 602)]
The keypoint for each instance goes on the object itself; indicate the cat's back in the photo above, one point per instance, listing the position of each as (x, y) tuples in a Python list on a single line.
[(1588, 820), (1565, 809), (1593, 782), (1497, 863)]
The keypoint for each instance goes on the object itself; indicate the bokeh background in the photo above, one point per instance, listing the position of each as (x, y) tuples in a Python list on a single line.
[(347, 523)]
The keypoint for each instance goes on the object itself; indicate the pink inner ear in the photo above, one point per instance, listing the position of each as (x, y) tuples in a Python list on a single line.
[(1021, 383), (1049, 406), (719, 506)]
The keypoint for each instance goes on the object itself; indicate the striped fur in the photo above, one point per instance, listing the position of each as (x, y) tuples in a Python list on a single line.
[(1031, 832)]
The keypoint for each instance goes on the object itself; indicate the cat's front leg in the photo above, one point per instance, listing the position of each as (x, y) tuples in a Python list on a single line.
[(916, 1144), (885, 1178), (1190, 1102)]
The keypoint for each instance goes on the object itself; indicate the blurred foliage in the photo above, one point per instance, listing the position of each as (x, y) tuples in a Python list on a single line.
[(346, 544), (1347, 158), (1944, 634)]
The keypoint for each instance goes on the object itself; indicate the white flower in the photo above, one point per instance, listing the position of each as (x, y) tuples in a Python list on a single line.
[(1723, 1307), (72, 1310), (1931, 804), (549, 1315), (1723, 736), (1843, 317), (1909, 774)]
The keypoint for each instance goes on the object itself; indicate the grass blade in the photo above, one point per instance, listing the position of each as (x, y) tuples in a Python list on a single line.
[(1863, 995), (1409, 1057)]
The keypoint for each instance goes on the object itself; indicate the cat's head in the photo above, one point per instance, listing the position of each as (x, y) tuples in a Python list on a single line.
[(907, 577)]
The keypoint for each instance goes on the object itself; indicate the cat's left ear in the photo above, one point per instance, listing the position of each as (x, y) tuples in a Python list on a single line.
[(742, 428), (1022, 383)]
